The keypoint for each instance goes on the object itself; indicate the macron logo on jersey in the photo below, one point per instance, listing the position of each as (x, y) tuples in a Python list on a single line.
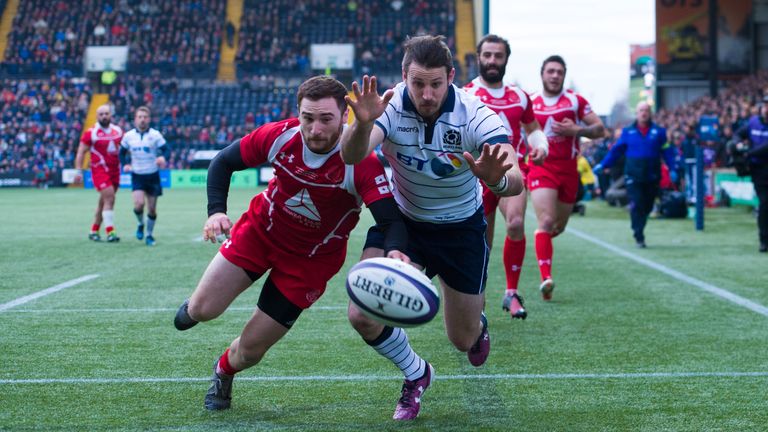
[(302, 204)]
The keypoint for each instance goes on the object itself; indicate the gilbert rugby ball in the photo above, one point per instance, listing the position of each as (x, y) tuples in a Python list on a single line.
[(392, 292)]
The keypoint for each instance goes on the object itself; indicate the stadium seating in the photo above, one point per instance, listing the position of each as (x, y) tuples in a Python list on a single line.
[(41, 123), (174, 37), (275, 35)]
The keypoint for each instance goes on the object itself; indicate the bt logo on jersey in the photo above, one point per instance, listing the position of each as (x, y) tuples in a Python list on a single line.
[(438, 166)]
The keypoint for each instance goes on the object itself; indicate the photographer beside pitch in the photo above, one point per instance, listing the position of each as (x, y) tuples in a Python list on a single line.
[(439, 141), (756, 133)]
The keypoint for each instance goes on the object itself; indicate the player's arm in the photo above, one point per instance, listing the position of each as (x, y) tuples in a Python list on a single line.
[(497, 168), (359, 140), (388, 217), (165, 153), (220, 172), (592, 128), (79, 157), (497, 164), (617, 150), (537, 141), (125, 158)]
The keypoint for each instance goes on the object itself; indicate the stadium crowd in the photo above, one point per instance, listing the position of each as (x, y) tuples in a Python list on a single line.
[(276, 35), (182, 37)]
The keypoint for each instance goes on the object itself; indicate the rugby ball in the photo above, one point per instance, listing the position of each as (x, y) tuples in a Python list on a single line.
[(392, 292)]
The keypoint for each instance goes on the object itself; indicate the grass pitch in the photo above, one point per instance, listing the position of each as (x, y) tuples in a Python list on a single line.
[(623, 345)]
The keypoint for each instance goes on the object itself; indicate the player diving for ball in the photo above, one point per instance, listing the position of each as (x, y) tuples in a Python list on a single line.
[(439, 141), (297, 229)]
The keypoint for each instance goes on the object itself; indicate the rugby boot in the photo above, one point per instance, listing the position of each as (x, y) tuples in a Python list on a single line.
[(513, 304), (410, 400), (478, 354), (219, 396)]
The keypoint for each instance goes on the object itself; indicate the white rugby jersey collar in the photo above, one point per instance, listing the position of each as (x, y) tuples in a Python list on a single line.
[(447, 106)]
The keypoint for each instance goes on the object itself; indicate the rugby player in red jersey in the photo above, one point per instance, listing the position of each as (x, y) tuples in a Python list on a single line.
[(565, 117), (515, 109), (297, 229), (103, 141)]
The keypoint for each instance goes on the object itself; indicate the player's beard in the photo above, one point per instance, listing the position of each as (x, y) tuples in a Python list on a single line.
[(488, 77), (552, 89), (104, 123)]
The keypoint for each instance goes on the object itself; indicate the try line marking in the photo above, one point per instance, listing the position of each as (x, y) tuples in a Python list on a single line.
[(45, 292), (553, 376), (682, 277)]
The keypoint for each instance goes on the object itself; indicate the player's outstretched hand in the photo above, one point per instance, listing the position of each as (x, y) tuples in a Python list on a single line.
[(216, 228), (160, 162), (492, 164), (127, 168), (396, 254), (367, 104)]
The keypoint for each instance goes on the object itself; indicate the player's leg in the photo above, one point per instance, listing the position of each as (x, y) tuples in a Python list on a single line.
[(97, 220), (465, 323), (545, 204), (513, 209), (108, 213), (138, 196), (151, 218), (457, 253), (392, 343), (221, 283), (274, 316)]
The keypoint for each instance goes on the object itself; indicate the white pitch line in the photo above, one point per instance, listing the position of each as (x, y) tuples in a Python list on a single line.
[(45, 292), (305, 378), (722, 293), (154, 310)]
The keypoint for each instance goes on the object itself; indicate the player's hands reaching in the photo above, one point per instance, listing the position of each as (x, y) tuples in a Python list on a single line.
[(216, 228), (160, 162), (537, 156), (127, 168), (566, 127), (367, 105), (492, 164), (396, 254)]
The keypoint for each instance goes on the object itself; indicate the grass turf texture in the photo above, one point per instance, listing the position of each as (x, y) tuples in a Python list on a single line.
[(611, 317)]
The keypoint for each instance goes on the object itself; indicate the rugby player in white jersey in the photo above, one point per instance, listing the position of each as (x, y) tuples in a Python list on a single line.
[(439, 141), (143, 153), (515, 109)]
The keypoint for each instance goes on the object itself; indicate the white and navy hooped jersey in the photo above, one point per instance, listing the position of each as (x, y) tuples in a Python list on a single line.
[(431, 179), (144, 148)]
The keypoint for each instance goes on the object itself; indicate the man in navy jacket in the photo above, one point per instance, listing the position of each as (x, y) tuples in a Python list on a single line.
[(756, 131), (644, 143)]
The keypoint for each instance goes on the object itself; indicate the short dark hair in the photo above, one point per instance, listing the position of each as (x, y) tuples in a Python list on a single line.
[(321, 87), (492, 38), (428, 51), (554, 58)]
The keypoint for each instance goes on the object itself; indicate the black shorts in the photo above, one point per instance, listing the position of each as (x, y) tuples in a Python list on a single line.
[(457, 251), (149, 183)]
